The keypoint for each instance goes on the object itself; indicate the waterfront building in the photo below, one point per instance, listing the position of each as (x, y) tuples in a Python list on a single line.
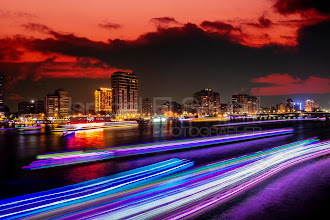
[(225, 108), (243, 103), (297, 106), (124, 87), (51, 105), (311, 106), (33, 107), (240, 103), (253, 105), (103, 100), (280, 108), (146, 107), (63, 102), (208, 102), (57, 105), (289, 105)]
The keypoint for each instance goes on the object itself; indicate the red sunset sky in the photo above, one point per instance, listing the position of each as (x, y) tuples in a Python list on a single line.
[(33, 32)]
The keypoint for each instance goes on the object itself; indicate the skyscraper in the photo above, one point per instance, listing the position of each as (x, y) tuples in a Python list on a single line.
[(51, 105), (125, 93), (63, 102), (289, 105), (103, 100), (57, 104)]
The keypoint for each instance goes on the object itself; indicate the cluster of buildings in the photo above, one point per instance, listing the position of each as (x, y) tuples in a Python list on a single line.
[(55, 105), (121, 99), (293, 107)]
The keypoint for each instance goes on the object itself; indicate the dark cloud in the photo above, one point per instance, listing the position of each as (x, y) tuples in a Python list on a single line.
[(9, 51), (263, 22), (178, 61), (302, 6), (164, 21), (38, 27), (219, 25), (109, 25)]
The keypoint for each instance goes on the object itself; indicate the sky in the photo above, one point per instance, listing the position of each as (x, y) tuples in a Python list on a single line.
[(273, 49)]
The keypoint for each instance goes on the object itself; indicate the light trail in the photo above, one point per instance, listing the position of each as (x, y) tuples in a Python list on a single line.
[(177, 196), (269, 121), (75, 157), (33, 204)]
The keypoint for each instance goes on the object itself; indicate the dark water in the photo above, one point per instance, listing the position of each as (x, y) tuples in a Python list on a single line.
[(300, 191)]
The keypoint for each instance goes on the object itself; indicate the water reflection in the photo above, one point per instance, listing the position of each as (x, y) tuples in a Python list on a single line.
[(86, 139)]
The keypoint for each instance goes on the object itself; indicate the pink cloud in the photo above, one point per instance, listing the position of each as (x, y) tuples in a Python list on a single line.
[(285, 84)]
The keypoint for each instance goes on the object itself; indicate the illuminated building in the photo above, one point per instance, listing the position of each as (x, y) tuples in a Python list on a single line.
[(170, 108), (103, 100), (289, 105), (243, 103), (51, 105), (33, 107), (1, 89), (208, 102), (311, 106), (297, 106), (225, 108), (125, 93), (191, 108), (146, 108), (63, 102), (280, 108), (253, 105)]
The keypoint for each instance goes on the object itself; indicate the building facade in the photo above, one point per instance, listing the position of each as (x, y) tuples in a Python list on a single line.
[(146, 107), (243, 104), (57, 105), (103, 100), (124, 87), (51, 105), (208, 102), (312, 106), (63, 102), (33, 107)]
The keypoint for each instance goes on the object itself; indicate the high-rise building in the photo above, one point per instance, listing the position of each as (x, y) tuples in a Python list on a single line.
[(1, 89), (33, 107), (208, 102), (311, 106), (253, 105), (289, 105), (297, 106), (125, 93), (63, 102), (240, 103), (146, 108), (51, 105), (103, 100)]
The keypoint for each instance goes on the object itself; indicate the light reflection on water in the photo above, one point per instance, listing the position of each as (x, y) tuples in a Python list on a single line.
[(85, 139)]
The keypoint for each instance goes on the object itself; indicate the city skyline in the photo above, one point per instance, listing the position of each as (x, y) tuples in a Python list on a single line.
[(272, 49)]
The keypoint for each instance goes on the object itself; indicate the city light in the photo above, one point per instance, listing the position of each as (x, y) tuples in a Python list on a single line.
[(76, 157), (159, 190)]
